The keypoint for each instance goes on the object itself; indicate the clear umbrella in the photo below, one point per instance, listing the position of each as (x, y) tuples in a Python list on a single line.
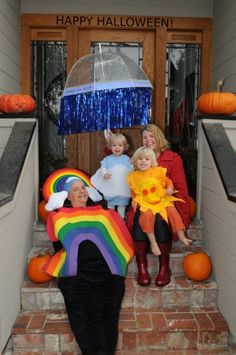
[(105, 90)]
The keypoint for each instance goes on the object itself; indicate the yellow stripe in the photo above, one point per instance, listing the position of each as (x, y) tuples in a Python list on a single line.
[(55, 271), (61, 262), (62, 221)]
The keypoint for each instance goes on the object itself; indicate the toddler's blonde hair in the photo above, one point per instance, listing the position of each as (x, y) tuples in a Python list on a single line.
[(144, 152), (118, 137)]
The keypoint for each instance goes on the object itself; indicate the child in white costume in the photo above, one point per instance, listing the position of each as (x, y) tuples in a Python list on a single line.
[(111, 178)]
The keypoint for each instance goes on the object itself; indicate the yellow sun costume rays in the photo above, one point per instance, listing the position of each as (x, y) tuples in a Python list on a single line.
[(151, 195)]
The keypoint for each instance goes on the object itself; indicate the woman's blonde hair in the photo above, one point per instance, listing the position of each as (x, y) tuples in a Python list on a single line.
[(144, 152), (118, 137), (160, 139)]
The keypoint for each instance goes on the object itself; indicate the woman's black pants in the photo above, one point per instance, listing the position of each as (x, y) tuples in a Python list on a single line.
[(93, 302), (161, 230)]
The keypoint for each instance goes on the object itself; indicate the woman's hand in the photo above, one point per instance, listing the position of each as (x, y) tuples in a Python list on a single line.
[(107, 176), (134, 205), (169, 191)]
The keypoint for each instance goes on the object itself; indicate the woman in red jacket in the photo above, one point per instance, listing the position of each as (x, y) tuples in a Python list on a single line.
[(153, 137)]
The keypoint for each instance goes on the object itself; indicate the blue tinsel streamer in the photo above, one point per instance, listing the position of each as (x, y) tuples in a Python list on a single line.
[(100, 110)]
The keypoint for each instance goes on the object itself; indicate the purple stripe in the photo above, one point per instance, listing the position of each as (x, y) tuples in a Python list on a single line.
[(73, 257)]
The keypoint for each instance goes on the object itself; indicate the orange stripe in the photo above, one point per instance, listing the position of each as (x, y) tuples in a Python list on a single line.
[(119, 228), (55, 263)]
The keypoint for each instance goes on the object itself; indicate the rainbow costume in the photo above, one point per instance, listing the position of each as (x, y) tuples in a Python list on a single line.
[(56, 180), (105, 228)]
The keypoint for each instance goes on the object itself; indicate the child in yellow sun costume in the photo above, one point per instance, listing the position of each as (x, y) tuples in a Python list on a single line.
[(152, 191)]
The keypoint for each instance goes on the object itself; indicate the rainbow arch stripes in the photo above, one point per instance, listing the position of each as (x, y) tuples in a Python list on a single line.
[(105, 228), (56, 181)]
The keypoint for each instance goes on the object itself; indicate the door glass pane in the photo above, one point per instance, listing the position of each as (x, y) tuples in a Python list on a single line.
[(182, 88), (131, 50), (49, 74)]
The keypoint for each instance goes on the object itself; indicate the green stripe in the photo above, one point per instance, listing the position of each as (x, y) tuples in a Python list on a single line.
[(100, 226)]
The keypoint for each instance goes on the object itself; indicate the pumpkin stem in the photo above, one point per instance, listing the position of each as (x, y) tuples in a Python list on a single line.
[(219, 86)]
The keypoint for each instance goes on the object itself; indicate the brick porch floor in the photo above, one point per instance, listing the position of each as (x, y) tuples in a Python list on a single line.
[(179, 319), (144, 332), (173, 327)]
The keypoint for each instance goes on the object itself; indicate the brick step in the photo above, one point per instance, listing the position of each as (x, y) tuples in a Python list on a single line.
[(180, 293), (177, 254), (180, 318), (226, 351), (41, 237), (48, 332)]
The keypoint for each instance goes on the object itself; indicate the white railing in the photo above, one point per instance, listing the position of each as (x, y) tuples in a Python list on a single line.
[(17, 217), (217, 209)]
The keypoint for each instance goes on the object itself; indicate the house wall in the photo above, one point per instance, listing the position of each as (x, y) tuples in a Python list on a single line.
[(15, 224), (16, 230), (10, 53), (218, 214), (190, 8), (219, 225), (224, 44)]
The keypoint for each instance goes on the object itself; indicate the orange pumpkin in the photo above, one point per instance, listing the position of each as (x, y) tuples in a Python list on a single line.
[(192, 207), (16, 103), (43, 214), (217, 102), (2, 96), (35, 270), (197, 266)]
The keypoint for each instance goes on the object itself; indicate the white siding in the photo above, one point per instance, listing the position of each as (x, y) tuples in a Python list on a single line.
[(224, 44), (10, 54), (220, 225), (187, 8), (219, 220)]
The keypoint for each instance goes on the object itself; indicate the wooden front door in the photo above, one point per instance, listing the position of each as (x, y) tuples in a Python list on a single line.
[(85, 150), (52, 43)]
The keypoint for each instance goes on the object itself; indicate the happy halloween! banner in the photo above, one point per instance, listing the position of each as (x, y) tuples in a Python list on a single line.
[(113, 21)]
